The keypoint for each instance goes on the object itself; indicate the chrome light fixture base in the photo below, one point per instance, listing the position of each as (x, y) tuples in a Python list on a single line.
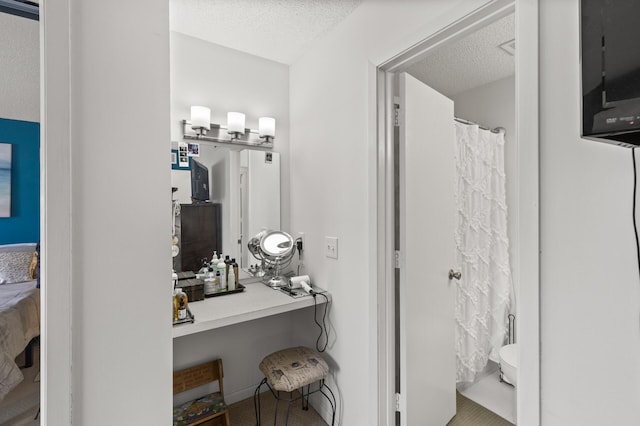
[(219, 134)]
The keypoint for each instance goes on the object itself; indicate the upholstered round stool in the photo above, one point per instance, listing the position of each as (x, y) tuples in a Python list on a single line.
[(294, 369)]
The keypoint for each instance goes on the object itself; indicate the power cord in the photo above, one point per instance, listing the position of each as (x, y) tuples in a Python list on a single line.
[(323, 327), (635, 226)]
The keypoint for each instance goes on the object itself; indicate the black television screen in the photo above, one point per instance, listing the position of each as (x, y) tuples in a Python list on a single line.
[(199, 182), (610, 65)]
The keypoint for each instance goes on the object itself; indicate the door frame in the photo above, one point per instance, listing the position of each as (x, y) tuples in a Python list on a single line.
[(527, 130), (56, 385)]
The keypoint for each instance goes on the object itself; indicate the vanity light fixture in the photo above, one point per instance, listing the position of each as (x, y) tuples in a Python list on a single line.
[(267, 128), (200, 128), (200, 119), (235, 124)]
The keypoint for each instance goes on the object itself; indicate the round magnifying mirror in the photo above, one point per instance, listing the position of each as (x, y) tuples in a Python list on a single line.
[(276, 244)]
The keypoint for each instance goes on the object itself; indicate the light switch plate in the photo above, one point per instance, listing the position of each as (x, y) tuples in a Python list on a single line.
[(331, 247)]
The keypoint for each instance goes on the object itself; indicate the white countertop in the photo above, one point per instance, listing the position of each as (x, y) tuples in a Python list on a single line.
[(256, 301)]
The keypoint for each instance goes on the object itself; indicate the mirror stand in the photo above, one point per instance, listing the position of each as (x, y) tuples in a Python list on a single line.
[(277, 280)]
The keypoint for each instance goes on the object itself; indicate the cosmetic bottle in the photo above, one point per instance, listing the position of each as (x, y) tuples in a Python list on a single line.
[(222, 270), (231, 282), (209, 286), (175, 305), (216, 281), (180, 303), (214, 258), (205, 267), (235, 272), (227, 263)]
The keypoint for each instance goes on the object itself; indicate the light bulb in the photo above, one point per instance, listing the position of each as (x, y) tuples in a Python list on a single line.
[(200, 119), (267, 127), (235, 123)]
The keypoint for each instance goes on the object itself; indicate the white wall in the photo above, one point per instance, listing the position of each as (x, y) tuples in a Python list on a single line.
[(333, 171), (19, 68), (589, 274), (120, 215), (494, 105), (225, 80)]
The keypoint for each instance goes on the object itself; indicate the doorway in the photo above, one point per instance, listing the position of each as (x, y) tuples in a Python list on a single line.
[(526, 189), (20, 212)]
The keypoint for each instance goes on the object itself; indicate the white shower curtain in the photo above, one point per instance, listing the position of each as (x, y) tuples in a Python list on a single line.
[(482, 250)]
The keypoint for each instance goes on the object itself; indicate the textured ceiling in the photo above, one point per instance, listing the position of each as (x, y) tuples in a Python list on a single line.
[(470, 62), (20, 64), (279, 30)]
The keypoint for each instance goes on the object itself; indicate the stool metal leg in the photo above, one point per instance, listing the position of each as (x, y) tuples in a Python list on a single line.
[(332, 401), (256, 402), (305, 399), (322, 386)]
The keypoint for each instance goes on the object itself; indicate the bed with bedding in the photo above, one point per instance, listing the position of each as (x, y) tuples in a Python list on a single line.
[(19, 309)]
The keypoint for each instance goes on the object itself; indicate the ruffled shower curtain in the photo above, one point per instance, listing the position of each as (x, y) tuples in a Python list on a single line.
[(482, 250)]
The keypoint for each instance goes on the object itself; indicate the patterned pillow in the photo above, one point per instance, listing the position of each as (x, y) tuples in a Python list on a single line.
[(14, 266)]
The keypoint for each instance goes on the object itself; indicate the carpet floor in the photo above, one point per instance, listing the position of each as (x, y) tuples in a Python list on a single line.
[(242, 413)]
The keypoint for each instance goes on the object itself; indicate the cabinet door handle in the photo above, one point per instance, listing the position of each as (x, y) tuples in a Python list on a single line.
[(454, 274)]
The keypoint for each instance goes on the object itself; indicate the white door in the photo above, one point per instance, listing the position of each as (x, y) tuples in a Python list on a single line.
[(426, 299)]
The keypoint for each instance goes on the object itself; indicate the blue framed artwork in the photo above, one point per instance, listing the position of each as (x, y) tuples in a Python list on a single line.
[(5, 180), (180, 160)]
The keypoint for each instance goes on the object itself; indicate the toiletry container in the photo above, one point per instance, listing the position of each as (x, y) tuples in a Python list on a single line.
[(205, 267), (180, 304), (175, 304), (227, 263), (222, 270), (231, 283), (235, 272), (209, 284)]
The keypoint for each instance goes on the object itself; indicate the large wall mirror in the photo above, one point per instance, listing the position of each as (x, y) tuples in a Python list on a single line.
[(244, 180), (245, 183)]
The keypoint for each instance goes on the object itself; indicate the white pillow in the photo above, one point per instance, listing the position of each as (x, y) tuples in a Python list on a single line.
[(14, 266)]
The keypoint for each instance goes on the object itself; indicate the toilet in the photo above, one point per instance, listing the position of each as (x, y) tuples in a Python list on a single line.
[(509, 363)]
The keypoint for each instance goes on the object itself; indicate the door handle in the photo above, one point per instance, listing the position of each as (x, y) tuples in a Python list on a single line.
[(454, 274)]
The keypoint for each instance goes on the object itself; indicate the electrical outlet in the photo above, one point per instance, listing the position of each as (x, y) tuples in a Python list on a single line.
[(331, 247), (301, 236)]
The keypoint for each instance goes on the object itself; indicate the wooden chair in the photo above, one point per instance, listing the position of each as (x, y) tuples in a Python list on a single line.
[(209, 410)]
